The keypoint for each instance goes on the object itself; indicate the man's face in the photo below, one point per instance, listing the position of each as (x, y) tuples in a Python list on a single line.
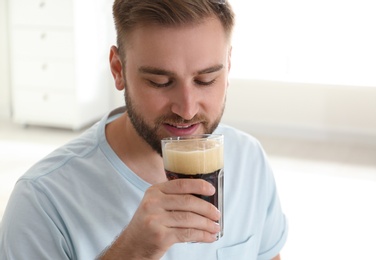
[(176, 79)]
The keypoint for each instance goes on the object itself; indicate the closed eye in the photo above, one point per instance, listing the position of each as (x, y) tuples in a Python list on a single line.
[(204, 83), (160, 85)]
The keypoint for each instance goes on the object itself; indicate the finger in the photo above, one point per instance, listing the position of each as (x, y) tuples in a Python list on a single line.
[(193, 235), (191, 203), (182, 219), (188, 186)]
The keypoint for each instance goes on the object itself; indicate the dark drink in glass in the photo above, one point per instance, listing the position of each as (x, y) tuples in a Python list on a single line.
[(197, 157)]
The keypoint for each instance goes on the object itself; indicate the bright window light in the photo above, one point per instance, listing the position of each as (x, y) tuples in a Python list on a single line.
[(321, 41)]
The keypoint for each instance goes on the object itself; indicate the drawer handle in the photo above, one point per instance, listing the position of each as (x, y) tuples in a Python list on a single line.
[(45, 97), (42, 4), (44, 66), (43, 36)]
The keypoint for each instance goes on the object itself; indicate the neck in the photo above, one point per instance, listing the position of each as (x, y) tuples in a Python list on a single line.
[(134, 151)]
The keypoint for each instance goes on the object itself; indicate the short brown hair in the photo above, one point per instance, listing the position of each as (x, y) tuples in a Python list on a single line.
[(130, 13)]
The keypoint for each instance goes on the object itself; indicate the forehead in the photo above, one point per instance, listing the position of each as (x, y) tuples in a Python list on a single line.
[(156, 45)]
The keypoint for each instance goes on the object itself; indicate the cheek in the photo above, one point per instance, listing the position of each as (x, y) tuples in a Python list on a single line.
[(212, 106), (217, 97), (218, 103), (148, 103)]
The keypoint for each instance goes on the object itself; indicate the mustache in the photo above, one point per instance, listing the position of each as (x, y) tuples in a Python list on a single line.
[(174, 119)]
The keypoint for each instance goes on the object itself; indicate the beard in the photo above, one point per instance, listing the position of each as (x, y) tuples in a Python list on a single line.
[(149, 133)]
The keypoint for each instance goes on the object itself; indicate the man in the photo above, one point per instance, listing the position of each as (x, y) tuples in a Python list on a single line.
[(105, 194)]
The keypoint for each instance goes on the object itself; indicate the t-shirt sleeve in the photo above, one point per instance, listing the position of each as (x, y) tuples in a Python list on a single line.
[(29, 230)]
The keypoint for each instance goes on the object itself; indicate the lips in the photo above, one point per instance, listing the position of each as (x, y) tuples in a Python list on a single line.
[(182, 126), (181, 129)]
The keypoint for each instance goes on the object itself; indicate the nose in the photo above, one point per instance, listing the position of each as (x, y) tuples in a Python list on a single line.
[(185, 101)]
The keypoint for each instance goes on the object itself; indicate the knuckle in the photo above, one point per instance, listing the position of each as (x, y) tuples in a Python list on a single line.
[(182, 217), (146, 205), (187, 199), (181, 184), (186, 235), (149, 203), (152, 191), (151, 198), (159, 237), (151, 221)]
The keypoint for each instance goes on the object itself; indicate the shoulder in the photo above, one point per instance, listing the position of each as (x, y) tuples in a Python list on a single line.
[(80, 147), (238, 139), (245, 155)]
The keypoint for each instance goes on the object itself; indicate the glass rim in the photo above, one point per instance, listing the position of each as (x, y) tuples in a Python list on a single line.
[(192, 137)]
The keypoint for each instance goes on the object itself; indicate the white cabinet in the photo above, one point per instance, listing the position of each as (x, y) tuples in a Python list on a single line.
[(59, 62)]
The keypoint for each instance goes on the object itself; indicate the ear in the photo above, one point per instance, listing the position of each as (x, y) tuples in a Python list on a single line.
[(116, 68)]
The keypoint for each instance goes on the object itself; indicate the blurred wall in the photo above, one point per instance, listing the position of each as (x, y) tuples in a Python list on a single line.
[(4, 63), (326, 112)]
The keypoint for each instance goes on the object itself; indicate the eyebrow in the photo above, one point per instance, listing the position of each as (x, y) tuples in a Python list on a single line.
[(211, 69), (157, 71)]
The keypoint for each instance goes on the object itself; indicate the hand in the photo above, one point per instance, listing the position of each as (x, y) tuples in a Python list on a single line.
[(168, 214)]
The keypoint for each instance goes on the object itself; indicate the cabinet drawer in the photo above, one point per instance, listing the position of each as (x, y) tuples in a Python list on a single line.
[(44, 107), (49, 74), (41, 12), (42, 44)]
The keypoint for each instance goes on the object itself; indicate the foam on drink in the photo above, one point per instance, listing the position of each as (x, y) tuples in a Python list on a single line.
[(191, 158)]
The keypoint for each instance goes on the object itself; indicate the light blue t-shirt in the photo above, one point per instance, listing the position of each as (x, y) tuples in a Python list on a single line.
[(77, 200)]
